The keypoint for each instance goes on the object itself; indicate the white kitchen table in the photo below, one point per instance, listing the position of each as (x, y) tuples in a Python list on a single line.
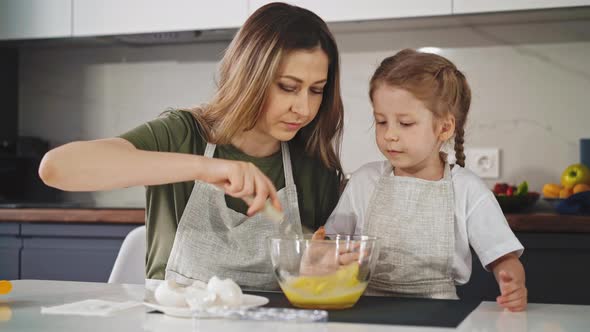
[(21, 311)]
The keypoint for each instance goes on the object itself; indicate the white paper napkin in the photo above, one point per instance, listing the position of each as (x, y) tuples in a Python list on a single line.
[(91, 307)]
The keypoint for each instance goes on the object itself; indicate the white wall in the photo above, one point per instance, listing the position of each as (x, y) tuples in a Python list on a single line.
[(530, 85)]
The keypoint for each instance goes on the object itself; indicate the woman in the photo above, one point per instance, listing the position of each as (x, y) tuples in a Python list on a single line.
[(274, 122)]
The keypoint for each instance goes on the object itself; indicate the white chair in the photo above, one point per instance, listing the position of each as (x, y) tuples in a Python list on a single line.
[(129, 266)]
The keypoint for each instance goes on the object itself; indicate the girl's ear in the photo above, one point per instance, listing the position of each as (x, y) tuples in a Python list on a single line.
[(447, 129)]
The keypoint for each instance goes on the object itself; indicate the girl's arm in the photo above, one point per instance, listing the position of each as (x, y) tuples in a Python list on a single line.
[(347, 214), (510, 276), (115, 163)]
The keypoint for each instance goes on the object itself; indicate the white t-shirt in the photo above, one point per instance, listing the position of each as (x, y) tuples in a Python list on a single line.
[(479, 220)]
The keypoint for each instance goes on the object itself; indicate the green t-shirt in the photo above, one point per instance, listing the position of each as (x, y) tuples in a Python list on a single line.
[(177, 131)]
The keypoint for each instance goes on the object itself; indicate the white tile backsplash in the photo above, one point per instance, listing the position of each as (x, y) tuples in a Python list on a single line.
[(530, 85)]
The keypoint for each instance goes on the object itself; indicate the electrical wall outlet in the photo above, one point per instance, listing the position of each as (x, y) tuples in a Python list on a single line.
[(485, 162)]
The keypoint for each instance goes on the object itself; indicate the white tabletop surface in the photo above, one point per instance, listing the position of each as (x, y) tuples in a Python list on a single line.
[(21, 311)]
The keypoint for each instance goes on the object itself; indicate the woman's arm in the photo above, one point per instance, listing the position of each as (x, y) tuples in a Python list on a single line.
[(115, 163)]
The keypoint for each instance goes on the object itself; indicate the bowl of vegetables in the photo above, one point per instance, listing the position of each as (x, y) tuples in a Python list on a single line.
[(515, 199)]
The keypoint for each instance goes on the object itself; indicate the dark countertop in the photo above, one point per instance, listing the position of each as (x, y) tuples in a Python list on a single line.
[(64, 205), (74, 215), (540, 222), (548, 223)]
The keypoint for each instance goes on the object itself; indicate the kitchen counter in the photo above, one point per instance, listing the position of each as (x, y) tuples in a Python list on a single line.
[(75, 215), (21, 310), (84, 244), (543, 222), (548, 223)]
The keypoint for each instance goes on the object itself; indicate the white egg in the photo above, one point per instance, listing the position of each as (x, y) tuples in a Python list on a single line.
[(170, 294), (199, 298), (227, 291)]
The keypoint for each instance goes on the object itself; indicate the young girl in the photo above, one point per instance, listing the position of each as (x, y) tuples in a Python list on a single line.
[(274, 122), (426, 212)]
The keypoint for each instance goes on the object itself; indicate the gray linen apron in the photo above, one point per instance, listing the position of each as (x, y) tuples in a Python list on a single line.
[(415, 220), (214, 240)]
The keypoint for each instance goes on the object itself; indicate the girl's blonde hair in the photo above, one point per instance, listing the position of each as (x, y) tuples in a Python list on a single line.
[(435, 81), (249, 67)]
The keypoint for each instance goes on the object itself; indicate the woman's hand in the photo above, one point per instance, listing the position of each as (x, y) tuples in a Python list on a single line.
[(241, 180), (511, 280)]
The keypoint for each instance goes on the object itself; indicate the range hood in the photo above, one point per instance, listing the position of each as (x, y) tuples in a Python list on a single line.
[(174, 37)]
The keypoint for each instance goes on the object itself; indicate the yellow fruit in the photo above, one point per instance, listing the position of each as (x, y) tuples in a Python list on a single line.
[(575, 174), (5, 287), (5, 313), (581, 188), (551, 190), (565, 192)]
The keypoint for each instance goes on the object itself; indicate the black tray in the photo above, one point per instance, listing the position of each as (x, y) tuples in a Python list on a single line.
[(392, 311)]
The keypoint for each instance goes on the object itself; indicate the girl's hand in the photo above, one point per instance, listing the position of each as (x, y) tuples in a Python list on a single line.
[(322, 258), (513, 293), (241, 180)]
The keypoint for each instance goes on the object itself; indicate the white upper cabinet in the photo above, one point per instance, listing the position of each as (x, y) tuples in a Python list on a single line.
[(113, 17), (34, 19), (354, 10), (482, 6), (30, 19)]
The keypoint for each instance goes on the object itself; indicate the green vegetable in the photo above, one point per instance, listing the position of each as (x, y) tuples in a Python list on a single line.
[(522, 189)]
